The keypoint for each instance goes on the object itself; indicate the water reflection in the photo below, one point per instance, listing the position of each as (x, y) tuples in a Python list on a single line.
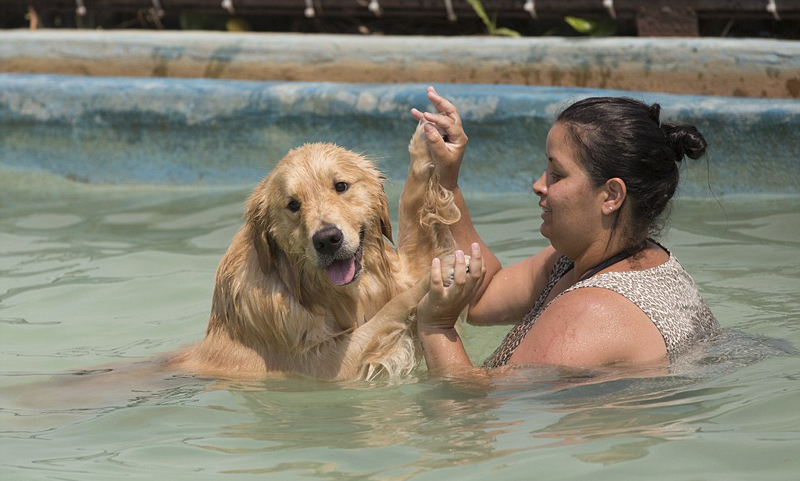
[(424, 424), (649, 408), (400, 429), (429, 423)]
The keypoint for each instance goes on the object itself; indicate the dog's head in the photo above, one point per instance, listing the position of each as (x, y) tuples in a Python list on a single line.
[(320, 206)]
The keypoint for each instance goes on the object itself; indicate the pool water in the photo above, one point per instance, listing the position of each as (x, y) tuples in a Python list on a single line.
[(104, 275)]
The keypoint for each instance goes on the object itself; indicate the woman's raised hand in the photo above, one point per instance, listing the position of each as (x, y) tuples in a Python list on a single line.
[(446, 137)]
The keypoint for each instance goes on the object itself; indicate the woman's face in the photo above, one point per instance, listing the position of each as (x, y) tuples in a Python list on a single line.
[(571, 206)]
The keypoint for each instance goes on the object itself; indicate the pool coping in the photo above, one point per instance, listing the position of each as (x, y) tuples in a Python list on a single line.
[(697, 66)]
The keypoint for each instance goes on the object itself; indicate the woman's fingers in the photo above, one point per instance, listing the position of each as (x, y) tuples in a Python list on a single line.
[(476, 259), (442, 305), (444, 126), (477, 270), (466, 282), (439, 149), (436, 286), (447, 111), (446, 118), (445, 136), (453, 129), (442, 105), (460, 274)]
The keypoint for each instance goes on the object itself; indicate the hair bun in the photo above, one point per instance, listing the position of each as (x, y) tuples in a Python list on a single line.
[(685, 141), (654, 112)]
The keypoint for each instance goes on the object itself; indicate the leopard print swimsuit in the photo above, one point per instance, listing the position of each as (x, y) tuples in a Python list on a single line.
[(666, 293)]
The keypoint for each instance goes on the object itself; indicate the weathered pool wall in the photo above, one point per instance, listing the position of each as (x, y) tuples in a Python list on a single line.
[(185, 131), (699, 66)]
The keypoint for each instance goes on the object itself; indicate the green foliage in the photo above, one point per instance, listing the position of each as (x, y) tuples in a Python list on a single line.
[(591, 27), (491, 24), (213, 21), (202, 21)]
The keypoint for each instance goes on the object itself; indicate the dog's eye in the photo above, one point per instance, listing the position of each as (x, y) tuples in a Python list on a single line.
[(293, 205), (341, 186)]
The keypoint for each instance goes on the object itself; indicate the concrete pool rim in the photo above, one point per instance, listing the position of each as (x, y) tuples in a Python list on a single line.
[(700, 66)]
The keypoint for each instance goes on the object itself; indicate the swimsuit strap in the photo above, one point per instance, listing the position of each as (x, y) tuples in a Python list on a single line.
[(614, 259), (608, 262)]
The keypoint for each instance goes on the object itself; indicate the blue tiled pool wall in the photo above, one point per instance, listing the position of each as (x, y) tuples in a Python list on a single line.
[(190, 131)]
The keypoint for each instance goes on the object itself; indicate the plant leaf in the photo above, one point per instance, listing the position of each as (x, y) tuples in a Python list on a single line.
[(581, 25), (478, 7), (506, 32), (595, 28)]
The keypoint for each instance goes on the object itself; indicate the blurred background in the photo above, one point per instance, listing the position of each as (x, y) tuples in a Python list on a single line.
[(685, 18)]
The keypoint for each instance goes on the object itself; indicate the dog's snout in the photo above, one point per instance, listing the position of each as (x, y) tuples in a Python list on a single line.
[(328, 240)]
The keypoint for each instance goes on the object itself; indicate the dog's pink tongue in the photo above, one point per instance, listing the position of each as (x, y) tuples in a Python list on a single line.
[(341, 272)]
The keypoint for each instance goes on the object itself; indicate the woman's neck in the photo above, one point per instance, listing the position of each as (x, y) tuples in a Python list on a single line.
[(595, 254)]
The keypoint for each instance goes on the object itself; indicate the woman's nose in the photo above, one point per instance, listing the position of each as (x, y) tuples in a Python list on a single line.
[(539, 186)]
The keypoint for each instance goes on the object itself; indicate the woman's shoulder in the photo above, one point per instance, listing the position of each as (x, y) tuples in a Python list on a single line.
[(591, 327)]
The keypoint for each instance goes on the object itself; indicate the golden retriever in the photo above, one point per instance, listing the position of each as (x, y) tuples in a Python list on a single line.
[(311, 284)]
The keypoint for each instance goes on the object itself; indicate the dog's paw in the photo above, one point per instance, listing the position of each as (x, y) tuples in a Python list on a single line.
[(421, 165), (448, 264)]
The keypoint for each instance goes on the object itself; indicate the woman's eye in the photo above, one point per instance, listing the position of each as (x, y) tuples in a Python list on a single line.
[(293, 205), (341, 186)]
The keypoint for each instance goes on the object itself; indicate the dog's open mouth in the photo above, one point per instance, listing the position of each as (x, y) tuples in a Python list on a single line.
[(345, 271)]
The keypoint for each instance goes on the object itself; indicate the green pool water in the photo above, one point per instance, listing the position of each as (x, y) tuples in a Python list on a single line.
[(101, 275)]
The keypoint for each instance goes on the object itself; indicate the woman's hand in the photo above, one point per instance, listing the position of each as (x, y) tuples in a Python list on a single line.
[(440, 307), (446, 138), (438, 311)]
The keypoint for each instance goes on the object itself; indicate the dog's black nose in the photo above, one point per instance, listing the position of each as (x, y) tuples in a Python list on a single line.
[(327, 240)]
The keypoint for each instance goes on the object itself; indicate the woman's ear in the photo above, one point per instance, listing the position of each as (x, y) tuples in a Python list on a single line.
[(615, 194)]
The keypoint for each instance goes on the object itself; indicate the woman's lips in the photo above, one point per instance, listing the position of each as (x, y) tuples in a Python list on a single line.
[(545, 212)]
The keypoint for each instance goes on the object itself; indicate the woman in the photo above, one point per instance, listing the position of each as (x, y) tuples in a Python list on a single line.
[(603, 292)]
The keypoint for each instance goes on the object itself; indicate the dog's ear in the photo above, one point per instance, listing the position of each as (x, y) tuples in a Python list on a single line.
[(273, 260), (386, 224), (263, 247), (256, 211), (258, 218)]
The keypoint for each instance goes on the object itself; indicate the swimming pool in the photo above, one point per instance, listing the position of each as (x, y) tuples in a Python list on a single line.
[(98, 272), (98, 275)]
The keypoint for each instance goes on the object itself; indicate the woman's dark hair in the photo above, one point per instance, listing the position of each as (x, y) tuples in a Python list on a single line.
[(624, 138)]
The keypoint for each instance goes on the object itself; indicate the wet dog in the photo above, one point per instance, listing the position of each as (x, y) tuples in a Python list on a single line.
[(311, 284)]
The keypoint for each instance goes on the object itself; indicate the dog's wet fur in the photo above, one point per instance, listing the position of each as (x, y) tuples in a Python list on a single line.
[(311, 284)]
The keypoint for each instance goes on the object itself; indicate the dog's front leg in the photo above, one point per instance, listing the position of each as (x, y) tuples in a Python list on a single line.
[(384, 344), (420, 172), (426, 210)]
